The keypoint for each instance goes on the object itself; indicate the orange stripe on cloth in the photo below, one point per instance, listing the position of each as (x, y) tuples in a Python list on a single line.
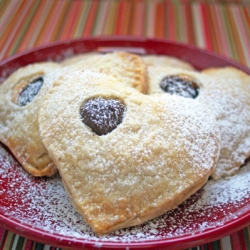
[(108, 28), (160, 21), (3, 5), (241, 36), (85, 6), (189, 24), (123, 18), (198, 25), (101, 17), (231, 33), (181, 24), (219, 36), (207, 21), (10, 37), (53, 24), (170, 22), (25, 27), (6, 11), (25, 42), (71, 20), (235, 33), (137, 27), (27, 23), (150, 19), (35, 26), (91, 19)]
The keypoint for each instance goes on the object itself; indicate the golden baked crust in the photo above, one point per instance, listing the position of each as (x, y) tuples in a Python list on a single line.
[(163, 151), (77, 58), (127, 67), (169, 61), (226, 92), (19, 124), (232, 105)]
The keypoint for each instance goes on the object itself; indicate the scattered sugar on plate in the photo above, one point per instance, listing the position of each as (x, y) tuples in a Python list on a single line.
[(43, 204)]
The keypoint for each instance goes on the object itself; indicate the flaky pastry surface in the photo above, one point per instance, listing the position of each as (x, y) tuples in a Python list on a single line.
[(77, 58), (232, 105), (162, 152), (19, 124), (226, 92), (127, 67), (167, 61)]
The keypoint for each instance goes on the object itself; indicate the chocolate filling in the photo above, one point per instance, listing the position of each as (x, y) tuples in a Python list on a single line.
[(180, 85), (102, 115), (30, 91)]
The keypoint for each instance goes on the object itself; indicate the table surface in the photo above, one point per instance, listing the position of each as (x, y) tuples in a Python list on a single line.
[(216, 25)]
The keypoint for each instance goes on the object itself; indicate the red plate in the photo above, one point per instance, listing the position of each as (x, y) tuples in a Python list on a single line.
[(38, 208)]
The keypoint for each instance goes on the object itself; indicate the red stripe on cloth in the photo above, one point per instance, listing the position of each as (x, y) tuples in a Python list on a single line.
[(123, 18), (206, 24), (160, 21), (91, 18), (55, 28), (127, 11), (72, 18), (247, 236), (52, 23), (247, 13), (235, 241), (63, 8), (10, 37), (119, 21), (26, 42), (210, 246), (29, 245), (1, 232), (241, 239), (6, 13), (189, 24), (131, 18), (170, 22), (140, 16), (3, 237)]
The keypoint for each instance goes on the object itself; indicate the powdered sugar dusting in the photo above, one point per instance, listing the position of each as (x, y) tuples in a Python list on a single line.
[(184, 112), (229, 100), (43, 204)]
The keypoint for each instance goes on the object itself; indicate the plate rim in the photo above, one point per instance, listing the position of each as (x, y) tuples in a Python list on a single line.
[(132, 39), (182, 241), (186, 241)]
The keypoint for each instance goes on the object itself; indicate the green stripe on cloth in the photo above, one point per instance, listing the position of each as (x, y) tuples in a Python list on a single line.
[(246, 232), (38, 246), (24, 27), (20, 242), (224, 28), (9, 240), (3, 236)]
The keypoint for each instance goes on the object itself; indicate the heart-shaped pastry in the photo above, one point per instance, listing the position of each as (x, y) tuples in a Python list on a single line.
[(226, 92), (232, 109), (127, 67), (125, 157), (21, 96)]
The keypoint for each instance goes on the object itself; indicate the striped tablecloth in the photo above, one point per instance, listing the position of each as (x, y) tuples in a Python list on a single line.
[(220, 26)]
